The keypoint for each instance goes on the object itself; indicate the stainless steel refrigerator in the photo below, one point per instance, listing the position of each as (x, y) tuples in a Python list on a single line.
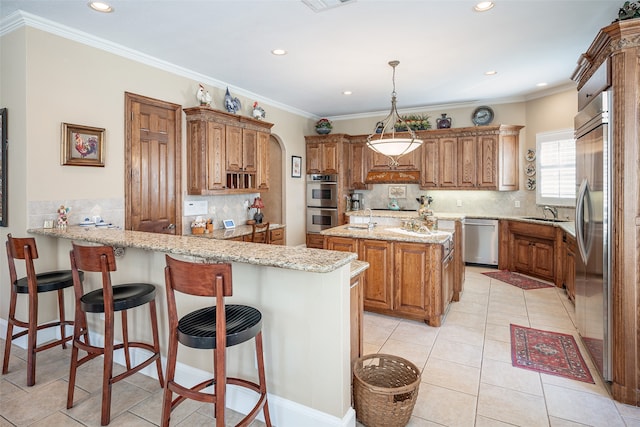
[(593, 213)]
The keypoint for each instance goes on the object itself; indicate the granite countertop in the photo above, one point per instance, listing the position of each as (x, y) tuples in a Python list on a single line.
[(568, 226), (289, 257), (238, 231), (358, 267), (360, 231)]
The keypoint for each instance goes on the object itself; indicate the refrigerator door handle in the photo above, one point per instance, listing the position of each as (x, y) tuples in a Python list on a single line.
[(583, 237)]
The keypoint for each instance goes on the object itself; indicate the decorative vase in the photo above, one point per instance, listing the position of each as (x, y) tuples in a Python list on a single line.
[(323, 131), (443, 122)]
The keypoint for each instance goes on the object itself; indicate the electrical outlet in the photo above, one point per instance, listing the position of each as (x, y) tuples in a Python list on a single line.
[(458, 203), (517, 203)]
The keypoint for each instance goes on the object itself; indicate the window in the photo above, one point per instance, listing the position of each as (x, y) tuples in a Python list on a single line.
[(556, 165)]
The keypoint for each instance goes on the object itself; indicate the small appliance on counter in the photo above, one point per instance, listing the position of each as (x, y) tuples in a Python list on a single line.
[(357, 201)]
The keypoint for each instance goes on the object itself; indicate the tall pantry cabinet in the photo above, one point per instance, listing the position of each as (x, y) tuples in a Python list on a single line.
[(619, 44)]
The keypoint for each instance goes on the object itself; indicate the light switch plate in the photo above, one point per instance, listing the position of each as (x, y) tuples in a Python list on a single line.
[(195, 207)]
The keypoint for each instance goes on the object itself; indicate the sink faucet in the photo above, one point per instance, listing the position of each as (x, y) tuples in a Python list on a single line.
[(371, 224), (553, 210)]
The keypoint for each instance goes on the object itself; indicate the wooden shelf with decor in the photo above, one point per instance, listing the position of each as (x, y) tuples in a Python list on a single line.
[(226, 153)]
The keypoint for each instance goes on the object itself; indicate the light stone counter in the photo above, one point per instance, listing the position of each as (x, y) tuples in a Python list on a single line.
[(311, 260), (360, 231), (238, 231), (303, 295)]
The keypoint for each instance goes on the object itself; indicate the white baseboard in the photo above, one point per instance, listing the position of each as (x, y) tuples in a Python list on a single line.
[(284, 412)]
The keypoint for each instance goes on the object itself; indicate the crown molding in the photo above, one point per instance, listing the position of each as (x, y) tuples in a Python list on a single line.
[(21, 19)]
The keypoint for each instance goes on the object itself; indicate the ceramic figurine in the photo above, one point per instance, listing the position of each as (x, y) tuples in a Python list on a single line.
[(258, 112), (203, 97), (231, 104)]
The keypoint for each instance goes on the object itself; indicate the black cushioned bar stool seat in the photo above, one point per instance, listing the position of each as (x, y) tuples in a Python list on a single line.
[(32, 285), (211, 328), (108, 299)]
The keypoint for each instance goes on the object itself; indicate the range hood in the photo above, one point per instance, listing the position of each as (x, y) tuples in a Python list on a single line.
[(393, 177)]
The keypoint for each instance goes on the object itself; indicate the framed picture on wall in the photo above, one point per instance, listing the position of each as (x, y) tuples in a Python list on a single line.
[(82, 145), (296, 166)]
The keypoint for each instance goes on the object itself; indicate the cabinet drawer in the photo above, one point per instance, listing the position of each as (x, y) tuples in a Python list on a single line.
[(277, 236)]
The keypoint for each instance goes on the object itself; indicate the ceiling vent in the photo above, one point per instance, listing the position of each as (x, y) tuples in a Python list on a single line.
[(321, 5)]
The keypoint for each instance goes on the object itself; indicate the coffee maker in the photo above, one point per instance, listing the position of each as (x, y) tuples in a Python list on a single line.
[(357, 201)]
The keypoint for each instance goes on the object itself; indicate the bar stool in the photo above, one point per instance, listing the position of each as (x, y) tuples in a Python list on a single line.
[(212, 328), (108, 299), (256, 233), (32, 285)]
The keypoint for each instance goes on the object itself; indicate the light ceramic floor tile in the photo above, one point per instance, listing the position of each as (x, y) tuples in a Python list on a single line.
[(57, 419), (497, 318), (443, 373), (462, 334), (415, 332), (489, 422), (497, 350), (464, 354), (586, 408), (505, 375), (445, 406), (471, 321), (414, 353), (514, 407), (498, 332), (559, 422)]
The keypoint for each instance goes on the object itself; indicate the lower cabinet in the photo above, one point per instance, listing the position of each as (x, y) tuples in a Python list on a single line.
[(570, 253), (532, 249), (404, 279), (315, 240)]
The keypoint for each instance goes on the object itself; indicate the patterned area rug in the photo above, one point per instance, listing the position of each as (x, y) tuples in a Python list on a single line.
[(516, 279), (549, 353)]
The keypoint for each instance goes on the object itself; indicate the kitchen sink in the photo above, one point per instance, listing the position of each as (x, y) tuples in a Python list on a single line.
[(363, 227), (546, 219)]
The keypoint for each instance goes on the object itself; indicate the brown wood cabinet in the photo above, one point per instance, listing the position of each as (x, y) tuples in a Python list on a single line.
[(379, 162), (569, 268), (484, 158), (357, 320), (226, 153), (315, 240), (531, 249), (323, 153), (404, 279), (358, 162)]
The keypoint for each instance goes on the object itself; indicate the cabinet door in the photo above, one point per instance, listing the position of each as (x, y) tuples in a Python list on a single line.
[(570, 267), (448, 162), (234, 148), (467, 171), (488, 162), (249, 150), (358, 156), (314, 158), (330, 160), (447, 281), (216, 178), (378, 278), (543, 259), (508, 174), (357, 318), (380, 162), (315, 240), (429, 164), (262, 176), (344, 244), (277, 236), (410, 263), (522, 260), (205, 156)]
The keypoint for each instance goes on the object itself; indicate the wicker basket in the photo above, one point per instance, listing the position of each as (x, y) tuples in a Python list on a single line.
[(385, 389)]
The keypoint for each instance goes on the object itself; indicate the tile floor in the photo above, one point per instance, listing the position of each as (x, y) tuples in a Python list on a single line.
[(467, 377)]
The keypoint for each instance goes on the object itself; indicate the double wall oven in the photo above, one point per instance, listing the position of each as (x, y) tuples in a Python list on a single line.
[(322, 202)]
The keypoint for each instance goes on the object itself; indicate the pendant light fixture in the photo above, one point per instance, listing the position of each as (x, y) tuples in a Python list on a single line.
[(384, 139)]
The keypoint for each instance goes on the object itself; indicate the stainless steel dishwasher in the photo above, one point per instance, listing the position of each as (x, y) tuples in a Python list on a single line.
[(481, 241)]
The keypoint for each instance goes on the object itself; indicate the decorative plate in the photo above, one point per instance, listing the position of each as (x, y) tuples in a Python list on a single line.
[(482, 116), (531, 155), (530, 169), (531, 183)]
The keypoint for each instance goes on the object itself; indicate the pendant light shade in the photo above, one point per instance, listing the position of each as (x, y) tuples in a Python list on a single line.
[(384, 140)]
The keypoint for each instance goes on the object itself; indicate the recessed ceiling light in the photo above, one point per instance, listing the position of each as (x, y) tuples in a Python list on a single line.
[(279, 52), (541, 84), (483, 6), (490, 73), (99, 6), (347, 92)]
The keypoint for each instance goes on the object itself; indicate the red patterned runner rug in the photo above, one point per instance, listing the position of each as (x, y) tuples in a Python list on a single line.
[(549, 353), (516, 279)]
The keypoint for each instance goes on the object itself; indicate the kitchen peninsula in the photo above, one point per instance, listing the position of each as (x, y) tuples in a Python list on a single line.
[(411, 274), (304, 297)]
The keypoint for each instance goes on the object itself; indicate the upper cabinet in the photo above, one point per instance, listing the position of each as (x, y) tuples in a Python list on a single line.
[(226, 153), (483, 158), (324, 153)]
